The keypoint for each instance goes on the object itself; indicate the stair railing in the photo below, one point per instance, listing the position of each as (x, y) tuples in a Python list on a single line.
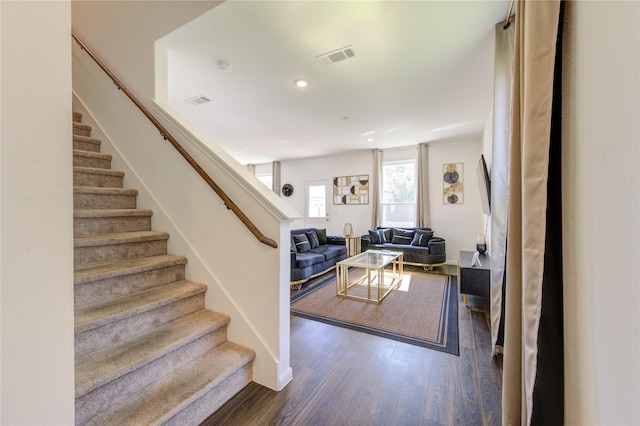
[(168, 137)]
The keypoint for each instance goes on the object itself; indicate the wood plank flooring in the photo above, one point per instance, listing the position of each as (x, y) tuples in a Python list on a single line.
[(343, 377)]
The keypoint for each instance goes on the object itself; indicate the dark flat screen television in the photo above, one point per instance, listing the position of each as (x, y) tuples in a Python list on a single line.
[(484, 181)]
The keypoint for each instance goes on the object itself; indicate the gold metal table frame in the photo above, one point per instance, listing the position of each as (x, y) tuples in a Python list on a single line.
[(374, 262)]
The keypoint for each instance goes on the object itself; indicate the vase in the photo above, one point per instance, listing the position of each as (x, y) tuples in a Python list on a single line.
[(348, 230), (481, 244)]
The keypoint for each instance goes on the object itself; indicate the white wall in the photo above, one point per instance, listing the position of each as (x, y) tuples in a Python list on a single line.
[(297, 172), (601, 187), (36, 257), (458, 224)]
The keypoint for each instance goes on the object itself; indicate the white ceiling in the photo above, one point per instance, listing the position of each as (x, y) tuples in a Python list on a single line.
[(422, 71)]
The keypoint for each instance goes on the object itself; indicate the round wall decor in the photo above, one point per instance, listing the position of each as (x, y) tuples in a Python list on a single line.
[(287, 189)]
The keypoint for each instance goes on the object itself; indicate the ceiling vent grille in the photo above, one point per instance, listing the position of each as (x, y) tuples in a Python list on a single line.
[(336, 55), (198, 100)]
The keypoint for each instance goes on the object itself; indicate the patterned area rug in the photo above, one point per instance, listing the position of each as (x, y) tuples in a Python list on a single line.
[(423, 311)]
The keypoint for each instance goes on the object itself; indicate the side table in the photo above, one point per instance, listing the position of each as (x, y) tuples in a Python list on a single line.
[(474, 280), (354, 245)]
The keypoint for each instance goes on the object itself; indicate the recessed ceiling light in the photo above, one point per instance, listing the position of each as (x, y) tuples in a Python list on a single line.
[(369, 139), (301, 83)]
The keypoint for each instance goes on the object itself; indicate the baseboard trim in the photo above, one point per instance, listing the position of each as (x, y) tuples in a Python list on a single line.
[(285, 378)]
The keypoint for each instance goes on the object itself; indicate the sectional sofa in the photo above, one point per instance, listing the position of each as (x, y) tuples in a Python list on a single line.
[(313, 253), (419, 246)]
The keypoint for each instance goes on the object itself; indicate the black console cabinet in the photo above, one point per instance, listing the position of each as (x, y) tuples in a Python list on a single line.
[(474, 280)]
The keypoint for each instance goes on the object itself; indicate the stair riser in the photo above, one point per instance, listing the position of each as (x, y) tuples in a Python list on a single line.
[(200, 410), (119, 331), (98, 163), (97, 180), (86, 145), (105, 225), (108, 288), (97, 255), (104, 201), (81, 129), (118, 390)]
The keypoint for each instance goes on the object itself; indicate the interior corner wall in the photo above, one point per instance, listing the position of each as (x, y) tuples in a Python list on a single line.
[(36, 233), (601, 235)]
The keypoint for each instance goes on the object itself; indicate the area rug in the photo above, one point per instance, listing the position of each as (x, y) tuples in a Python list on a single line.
[(423, 311)]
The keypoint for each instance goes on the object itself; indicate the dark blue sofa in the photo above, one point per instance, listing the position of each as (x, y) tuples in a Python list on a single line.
[(314, 253), (419, 246)]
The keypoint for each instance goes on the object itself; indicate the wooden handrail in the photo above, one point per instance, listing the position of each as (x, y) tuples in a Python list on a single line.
[(167, 136)]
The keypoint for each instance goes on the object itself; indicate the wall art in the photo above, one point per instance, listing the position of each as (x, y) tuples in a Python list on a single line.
[(351, 189), (452, 181)]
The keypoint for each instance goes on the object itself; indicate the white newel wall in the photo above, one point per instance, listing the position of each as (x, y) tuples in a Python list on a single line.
[(36, 255)]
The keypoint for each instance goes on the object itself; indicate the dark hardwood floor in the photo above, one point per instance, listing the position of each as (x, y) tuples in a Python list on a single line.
[(343, 377)]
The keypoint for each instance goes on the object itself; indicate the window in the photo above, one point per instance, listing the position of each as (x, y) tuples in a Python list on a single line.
[(399, 193), (266, 178)]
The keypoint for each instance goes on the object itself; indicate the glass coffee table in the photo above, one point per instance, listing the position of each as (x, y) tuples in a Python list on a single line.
[(372, 286)]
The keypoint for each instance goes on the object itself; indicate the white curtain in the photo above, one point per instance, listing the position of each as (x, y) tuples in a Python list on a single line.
[(275, 177), (503, 76), (536, 34), (374, 189), (423, 216)]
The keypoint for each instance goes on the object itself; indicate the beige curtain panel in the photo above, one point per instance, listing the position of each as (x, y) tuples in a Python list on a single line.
[(536, 35), (503, 76), (423, 216)]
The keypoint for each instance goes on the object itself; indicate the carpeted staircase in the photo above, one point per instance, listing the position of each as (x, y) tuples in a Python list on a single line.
[(147, 351)]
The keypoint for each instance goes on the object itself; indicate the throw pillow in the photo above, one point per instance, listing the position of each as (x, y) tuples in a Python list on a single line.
[(302, 243), (313, 239), (402, 236), (322, 236), (293, 245), (377, 236), (422, 237)]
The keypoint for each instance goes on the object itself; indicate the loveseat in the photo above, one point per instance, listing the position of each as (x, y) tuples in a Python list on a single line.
[(419, 246), (314, 253)]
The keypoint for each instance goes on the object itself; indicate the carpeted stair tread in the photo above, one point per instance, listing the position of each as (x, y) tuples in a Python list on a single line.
[(126, 267), (93, 316), (94, 213), (101, 367), (81, 129), (90, 197), (159, 402), (118, 238), (100, 177), (104, 191), (82, 158), (77, 117), (98, 171), (86, 143), (92, 154), (102, 221)]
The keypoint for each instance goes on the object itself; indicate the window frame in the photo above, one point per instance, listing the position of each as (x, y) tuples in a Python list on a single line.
[(383, 204)]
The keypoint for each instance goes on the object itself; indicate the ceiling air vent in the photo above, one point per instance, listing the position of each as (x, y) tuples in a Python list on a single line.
[(336, 55), (198, 100)]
